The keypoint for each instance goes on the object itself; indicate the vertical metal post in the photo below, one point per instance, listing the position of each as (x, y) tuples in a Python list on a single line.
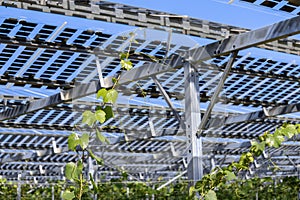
[(52, 192), (192, 122), (19, 187)]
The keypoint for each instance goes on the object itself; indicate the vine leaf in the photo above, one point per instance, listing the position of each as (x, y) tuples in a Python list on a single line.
[(73, 141), (100, 116), (124, 56), (84, 140), (88, 117), (257, 147), (67, 195), (101, 137), (230, 175), (101, 93), (70, 171), (111, 96), (211, 195), (95, 188), (126, 64), (99, 161), (289, 131), (109, 112)]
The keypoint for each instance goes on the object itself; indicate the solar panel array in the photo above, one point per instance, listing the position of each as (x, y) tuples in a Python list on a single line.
[(38, 60)]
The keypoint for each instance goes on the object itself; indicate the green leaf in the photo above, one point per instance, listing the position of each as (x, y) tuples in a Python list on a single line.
[(124, 56), (289, 131), (211, 195), (101, 93), (101, 137), (111, 96), (88, 117), (257, 148), (191, 191), (70, 171), (100, 116), (126, 64), (68, 195), (84, 140), (109, 112), (99, 161), (95, 188), (73, 141), (230, 175)]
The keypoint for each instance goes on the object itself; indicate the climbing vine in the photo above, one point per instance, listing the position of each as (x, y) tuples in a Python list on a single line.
[(74, 172), (213, 181)]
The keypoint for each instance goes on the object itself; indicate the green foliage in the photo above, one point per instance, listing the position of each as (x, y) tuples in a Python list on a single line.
[(88, 117), (70, 171), (108, 96), (68, 195), (220, 176), (98, 160), (108, 112), (260, 188), (100, 115), (211, 195), (101, 138), (111, 96), (74, 140), (126, 64)]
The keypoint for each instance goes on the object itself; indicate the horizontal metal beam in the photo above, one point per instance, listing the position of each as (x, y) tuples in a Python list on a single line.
[(242, 41), (91, 88), (262, 114), (63, 96)]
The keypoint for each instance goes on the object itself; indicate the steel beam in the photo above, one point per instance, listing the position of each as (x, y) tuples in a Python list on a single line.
[(242, 41), (167, 99), (262, 114), (192, 122), (91, 88), (216, 93)]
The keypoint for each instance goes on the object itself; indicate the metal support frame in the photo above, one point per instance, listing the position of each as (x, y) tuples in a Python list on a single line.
[(242, 41), (262, 114), (142, 17), (19, 187), (91, 88), (192, 122), (171, 180), (167, 98), (216, 93)]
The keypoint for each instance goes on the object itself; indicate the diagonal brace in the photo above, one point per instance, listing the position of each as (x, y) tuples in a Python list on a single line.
[(216, 93), (168, 99)]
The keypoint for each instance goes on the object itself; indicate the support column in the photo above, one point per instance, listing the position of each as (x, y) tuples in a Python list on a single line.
[(52, 190), (19, 187), (192, 122)]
